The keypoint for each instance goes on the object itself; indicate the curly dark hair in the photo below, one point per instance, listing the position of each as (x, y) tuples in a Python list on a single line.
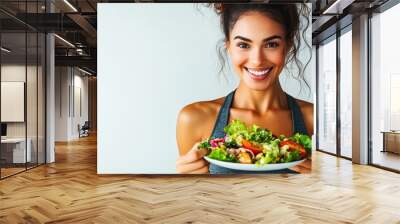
[(288, 15)]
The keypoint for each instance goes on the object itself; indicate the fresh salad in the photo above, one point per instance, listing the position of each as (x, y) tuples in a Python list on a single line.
[(255, 145)]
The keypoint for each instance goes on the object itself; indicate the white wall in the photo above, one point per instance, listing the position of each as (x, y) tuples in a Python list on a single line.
[(293, 86), (61, 103), (158, 58), (67, 117)]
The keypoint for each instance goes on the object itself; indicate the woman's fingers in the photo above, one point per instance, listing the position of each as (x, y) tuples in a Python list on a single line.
[(193, 166), (193, 161), (191, 156), (202, 170)]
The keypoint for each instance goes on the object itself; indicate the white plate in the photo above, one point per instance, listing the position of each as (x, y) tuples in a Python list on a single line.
[(253, 167)]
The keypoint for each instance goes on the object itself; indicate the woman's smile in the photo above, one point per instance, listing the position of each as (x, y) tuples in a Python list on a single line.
[(258, 73)]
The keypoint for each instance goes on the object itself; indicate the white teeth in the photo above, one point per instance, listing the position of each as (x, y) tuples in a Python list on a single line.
[(259, 73)]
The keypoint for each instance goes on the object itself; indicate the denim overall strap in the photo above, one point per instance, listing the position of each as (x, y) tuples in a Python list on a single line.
[(223, 117), (297, 117)]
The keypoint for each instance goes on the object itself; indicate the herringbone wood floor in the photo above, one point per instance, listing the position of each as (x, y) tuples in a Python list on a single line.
[(70, 191)]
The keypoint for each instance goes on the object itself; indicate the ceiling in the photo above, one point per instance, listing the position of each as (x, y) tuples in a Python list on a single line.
[(77, 25), (76, 22)]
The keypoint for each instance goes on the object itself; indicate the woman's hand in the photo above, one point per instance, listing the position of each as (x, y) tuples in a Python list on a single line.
[(192, 162)]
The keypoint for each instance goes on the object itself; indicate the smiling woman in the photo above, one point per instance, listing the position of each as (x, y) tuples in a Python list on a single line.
[(260, 40)]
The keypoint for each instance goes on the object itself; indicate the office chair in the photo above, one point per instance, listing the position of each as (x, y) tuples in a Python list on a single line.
[(84, 130)]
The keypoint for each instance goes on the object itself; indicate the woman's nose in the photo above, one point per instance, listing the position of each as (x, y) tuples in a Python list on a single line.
[(257, 57)]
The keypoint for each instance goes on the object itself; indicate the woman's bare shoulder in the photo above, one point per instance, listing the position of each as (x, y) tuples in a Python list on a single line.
[(198, 112), (195, 122)]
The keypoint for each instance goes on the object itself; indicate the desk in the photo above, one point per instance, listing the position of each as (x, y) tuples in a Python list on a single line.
[(16, 151), (391, 141)]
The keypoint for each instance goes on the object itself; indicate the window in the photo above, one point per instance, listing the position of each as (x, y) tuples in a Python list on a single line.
[(327, 97), (385, 89), (346, 94)]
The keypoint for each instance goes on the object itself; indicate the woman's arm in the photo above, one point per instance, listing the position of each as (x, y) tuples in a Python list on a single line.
[(188, 128)]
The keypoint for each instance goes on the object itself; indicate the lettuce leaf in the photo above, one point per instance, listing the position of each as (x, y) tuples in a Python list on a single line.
[(303, 140), (204, 144), (259, 135), (236, 128), (253, 133), (221, 154), (291, 156)]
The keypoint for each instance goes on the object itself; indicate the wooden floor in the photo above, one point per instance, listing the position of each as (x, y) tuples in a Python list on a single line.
[(8, 171), (70, 191), (5, 172)]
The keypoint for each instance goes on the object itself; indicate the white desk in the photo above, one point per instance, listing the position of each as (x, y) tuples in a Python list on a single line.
[(18, 149)]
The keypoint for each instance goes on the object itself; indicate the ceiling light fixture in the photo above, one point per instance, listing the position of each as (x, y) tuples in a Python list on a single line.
[(70, 5), (79, 51), (65, 41), (84, 71), (5, 50), (337, 7)]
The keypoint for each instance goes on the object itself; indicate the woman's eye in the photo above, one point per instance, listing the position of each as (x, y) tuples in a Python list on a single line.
[(271, 45), (243, 45)]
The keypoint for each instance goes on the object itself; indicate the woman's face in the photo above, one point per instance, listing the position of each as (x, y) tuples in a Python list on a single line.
[(257, 49)]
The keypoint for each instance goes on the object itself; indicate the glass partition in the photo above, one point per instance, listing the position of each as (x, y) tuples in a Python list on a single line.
[(385, 89), (346, 94), (327, 96), (14, 153), (23, 91)]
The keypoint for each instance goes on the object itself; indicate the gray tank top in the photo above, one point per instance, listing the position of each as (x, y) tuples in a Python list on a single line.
[(223, 119)]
